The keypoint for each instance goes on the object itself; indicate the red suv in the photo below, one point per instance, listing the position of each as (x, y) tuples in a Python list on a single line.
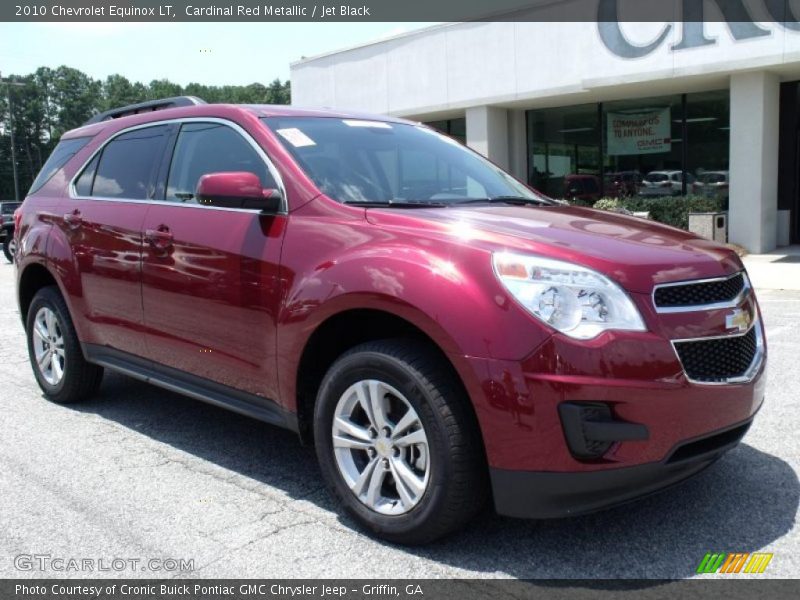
[(439, 331)]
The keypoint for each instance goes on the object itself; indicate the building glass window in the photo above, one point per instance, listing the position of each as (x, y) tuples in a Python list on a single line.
[(643, 147), (565, 152), (663, 146), (455, 128), (708, 132)]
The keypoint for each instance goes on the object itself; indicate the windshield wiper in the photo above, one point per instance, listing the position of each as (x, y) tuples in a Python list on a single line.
[(396, 204), (514, 200)]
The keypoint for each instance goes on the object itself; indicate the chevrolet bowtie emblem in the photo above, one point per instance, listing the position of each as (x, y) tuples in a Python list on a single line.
[(738, 319)]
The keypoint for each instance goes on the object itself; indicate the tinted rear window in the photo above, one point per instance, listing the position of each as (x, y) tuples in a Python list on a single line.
[(656, 177), (10, 207), (65, 150), (128, 163)]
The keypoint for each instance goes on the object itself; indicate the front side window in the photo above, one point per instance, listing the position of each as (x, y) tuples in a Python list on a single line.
[(127, 166), (359, 161), (204, 148)]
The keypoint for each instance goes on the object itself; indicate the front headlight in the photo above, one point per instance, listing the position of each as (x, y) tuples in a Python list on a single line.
[(576, 301)]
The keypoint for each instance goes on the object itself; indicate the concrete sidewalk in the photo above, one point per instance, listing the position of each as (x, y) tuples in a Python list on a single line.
[(778, 270)]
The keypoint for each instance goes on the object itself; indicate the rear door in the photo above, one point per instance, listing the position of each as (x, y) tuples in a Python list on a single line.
[(102, 222), (211, 286)]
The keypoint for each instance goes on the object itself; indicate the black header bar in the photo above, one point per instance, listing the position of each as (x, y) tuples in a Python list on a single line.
[(786, 12)]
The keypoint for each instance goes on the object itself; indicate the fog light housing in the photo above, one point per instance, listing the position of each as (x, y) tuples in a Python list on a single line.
[(590, 429)]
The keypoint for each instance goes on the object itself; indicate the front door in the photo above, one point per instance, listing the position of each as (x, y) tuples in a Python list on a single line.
[(211, 286)]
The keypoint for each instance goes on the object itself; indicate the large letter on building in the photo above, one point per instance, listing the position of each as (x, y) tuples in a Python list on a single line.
[(736, 16), (613, 38)]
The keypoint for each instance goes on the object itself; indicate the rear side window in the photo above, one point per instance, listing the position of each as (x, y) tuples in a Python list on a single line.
[(204, 148), (127, 166), (65, 150), (83, 187)]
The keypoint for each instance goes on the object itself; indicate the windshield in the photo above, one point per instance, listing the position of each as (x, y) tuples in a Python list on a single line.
[(358, 161)]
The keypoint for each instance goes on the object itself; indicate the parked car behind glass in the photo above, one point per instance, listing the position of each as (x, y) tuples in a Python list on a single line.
[(585, 188), (712, 184), (622, 184), (665, 183)]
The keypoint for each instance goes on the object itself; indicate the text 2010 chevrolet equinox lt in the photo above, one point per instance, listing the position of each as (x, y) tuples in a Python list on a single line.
[(439, 331)]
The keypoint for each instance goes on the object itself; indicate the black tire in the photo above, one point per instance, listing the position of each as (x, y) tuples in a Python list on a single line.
[(7, 247), (80, 379), (458, 483)]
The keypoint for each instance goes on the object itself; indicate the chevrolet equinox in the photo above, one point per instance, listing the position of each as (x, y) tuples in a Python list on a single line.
[(440, 332)]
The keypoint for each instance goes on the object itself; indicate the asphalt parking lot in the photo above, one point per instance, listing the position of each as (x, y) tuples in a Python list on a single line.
[(141, 473)]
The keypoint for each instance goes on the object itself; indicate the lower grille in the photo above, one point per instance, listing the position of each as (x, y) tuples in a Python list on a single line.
[(709, 445), (719, 360)]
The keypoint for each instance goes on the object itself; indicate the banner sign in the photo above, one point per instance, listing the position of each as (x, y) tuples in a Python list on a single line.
[(639, 133)]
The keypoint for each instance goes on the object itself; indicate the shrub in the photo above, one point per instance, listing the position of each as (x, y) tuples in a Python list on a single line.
[(607, 204), (670, 210)]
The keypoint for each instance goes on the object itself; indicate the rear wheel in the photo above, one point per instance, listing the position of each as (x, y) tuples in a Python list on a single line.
[(397, 442), (55, 353), (9, 247)]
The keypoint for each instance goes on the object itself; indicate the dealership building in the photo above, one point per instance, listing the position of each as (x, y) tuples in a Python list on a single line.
[(588, 104)]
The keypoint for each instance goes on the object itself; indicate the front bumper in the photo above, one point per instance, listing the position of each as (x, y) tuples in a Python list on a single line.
[(637, 376), (546, 495)]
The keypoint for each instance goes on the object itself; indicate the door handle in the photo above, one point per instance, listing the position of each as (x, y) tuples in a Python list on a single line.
[(160, 239), (73, 219)]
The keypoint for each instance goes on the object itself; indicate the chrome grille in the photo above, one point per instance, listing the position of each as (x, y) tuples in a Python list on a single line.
[(698, 294)]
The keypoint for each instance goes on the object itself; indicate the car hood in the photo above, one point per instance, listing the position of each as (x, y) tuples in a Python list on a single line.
[(635, 252)]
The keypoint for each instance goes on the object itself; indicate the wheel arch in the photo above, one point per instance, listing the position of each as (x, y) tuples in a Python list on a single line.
[(343, 330), (32, 278)]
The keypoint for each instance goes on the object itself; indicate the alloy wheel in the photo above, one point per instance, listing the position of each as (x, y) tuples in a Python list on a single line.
[(380, 447), (48, 346)]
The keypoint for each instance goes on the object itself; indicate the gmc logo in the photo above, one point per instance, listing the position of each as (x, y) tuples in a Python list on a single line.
[(736, 15)]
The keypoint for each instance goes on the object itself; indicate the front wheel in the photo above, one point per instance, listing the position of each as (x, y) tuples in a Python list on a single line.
[(54, 350), (397, 442)]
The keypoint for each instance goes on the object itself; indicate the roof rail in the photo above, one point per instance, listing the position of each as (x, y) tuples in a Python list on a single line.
[(141, 107)]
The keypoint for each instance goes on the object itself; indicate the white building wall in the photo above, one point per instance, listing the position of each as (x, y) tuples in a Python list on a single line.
[(454, 66)]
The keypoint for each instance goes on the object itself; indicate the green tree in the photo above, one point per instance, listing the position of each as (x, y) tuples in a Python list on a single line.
[(52, 101), (76, 96), (163, 88), (118, 91)]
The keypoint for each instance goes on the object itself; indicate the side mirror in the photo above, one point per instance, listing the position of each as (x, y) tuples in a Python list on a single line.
[(239, 189)]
